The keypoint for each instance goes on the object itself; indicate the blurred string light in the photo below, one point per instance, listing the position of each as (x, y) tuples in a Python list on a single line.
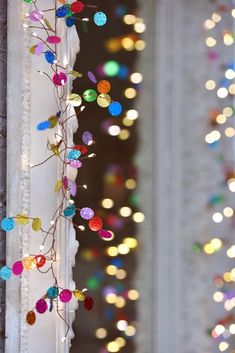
[(131, 41), (113, 68), (221, 120), (119, 203)]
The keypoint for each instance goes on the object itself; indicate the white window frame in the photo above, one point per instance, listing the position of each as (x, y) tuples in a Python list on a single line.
[(25, 145)]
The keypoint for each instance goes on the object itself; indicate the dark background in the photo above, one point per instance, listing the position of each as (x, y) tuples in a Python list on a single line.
[(109, 150)]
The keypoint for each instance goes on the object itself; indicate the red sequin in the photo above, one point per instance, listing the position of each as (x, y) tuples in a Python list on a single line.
[(77, 7), (40, 260), (83, 149), (88, 303), (95, 224)]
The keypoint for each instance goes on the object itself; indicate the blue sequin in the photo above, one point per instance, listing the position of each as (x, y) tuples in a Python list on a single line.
[(213, 145), (70, 211), (43, 125), (120, 10), (224, 83), (70, 21), (50, 57), (61, 11), (123, 72), (100, 18), (115, 108), (52, 292), (231, 66), (74, 154), (117, 262), (8, 224), (5, 273)]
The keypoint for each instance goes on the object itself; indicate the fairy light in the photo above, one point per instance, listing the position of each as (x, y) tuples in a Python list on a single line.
[(139, 27), (217, 217), (122, 274), (125, 211), (111, 298), (122, 325), (107, 203), (216, 17), (208, 248), (114, 130), (138, 217), (128, 44), (219, 329), (211, 42), (232, 329), (123, 249), (92, 155), (112, 347), (130, 331), (132, 114), (120, 302), (140, 45), (133, 294), (223, 346), (221, 119), (218, 297), (111, 270), (129, 19), (130, 184), (209, 24), (231, 184), (229, 132), (112, 251), (127, 122), (210, 85), (63, 339), (230, 74), (231, 252), (228, 112), (213, 136), (132, 243), (228, 212), (228, 39), (136, 77), (101, 333), (130, 93), (231, 89), (222, 92), (124, 134), (120, 341)]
